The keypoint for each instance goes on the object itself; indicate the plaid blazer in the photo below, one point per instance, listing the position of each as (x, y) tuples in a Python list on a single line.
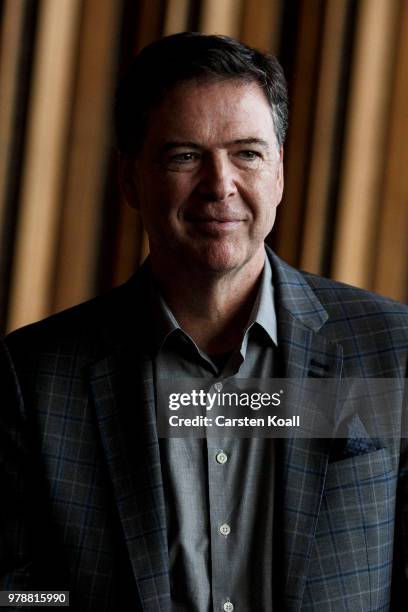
[(82, 505)]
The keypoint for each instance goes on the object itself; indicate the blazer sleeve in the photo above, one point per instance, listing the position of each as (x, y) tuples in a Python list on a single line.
[(400, 569), (26, 557), (15, 519)]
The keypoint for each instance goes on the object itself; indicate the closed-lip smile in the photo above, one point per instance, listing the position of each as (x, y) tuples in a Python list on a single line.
[(214, 226), (211, 219)]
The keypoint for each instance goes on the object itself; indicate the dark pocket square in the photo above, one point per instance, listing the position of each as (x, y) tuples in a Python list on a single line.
[(352, 440)]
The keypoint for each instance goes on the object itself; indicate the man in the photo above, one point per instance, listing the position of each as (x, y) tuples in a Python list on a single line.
[(95, 502)]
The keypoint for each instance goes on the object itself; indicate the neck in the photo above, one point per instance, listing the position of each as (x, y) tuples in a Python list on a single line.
[(212, 309)]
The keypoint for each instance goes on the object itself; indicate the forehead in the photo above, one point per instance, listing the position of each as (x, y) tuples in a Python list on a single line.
[(211, 112)]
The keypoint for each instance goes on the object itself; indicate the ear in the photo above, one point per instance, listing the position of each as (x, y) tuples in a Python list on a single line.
[(127, 173), (280, 177)]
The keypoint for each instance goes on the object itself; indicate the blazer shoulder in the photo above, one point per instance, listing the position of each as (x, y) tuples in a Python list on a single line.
[(82, 329), (333, 292), (304, 293), (360, 310)]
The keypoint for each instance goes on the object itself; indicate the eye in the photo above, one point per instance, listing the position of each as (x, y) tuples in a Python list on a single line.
[(184, 158), (183, 161), (249, 155)]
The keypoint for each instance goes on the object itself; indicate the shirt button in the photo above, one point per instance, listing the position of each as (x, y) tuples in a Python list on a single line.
[(218, 386), (221, 457), (225, 529), (228, 606)]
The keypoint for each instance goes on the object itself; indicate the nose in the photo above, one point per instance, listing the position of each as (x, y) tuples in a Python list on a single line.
[(217, 180)]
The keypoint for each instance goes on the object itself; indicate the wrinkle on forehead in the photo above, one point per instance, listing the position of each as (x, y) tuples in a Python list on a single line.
[(212, 113)]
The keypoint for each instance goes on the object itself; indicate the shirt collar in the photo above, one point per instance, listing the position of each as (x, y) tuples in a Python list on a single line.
[(263, 312), (165, 323)]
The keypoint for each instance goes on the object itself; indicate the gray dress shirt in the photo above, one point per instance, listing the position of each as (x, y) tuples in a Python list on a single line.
[(219, 491)]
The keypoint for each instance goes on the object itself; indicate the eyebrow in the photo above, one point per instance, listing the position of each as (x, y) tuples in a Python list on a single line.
[(177, 145), (193, 145), (250, 141)]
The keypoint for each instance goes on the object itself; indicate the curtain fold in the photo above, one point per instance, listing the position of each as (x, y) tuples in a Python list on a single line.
[(44, 159), (364, 151)]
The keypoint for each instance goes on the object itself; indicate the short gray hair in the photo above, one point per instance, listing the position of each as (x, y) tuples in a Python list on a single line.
[(186, 56)]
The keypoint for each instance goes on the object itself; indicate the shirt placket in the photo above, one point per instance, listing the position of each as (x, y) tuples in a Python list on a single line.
[(220, 464)]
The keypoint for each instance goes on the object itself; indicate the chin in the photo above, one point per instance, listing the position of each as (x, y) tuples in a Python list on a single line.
[(219, 258)]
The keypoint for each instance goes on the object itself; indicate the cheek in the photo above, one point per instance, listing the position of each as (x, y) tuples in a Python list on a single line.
[(270, 190), (172, 192), (263, 199)]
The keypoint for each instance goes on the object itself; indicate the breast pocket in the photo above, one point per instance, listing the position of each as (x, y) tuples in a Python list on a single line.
[(359, 468), (351, 559)]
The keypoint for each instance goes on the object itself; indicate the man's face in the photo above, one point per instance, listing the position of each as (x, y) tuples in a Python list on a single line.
[(209, 177)]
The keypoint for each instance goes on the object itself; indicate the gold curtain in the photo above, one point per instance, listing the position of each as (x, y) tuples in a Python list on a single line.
[(66, 234)]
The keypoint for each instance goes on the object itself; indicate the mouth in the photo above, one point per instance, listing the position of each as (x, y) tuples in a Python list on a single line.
[(220, 222), (215, 225)]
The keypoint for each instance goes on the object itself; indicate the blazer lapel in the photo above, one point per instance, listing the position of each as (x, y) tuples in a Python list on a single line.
[(303, 353), (123, 391)]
